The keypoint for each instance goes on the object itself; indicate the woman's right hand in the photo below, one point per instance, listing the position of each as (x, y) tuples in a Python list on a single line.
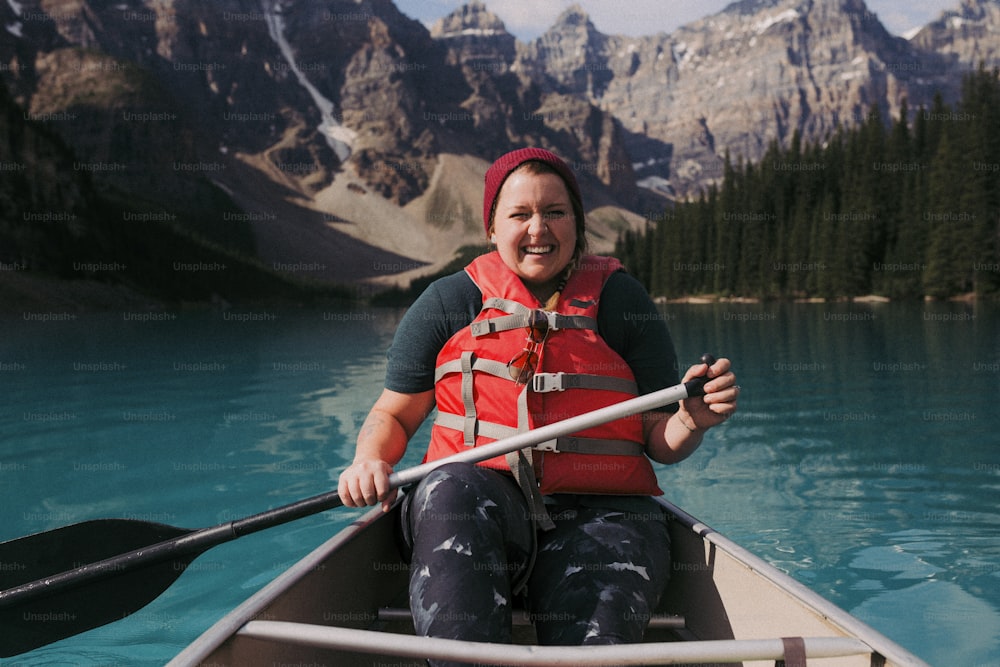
[(366, 482), (382, 439)]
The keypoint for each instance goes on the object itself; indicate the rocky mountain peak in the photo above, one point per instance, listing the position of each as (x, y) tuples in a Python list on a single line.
[(571, 56), (573, 17), (968, 34), (477, 38), (574, 29), (977, 10), (470, 20), (974, 11)]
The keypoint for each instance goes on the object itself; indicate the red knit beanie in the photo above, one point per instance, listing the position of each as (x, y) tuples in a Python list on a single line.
[(500, 170)]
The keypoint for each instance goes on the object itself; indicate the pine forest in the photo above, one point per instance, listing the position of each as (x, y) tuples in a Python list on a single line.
[(905, 208)]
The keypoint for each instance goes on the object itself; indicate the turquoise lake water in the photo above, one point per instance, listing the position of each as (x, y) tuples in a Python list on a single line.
[(865, 460)]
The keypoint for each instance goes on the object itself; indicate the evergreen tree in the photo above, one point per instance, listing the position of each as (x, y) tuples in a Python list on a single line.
[(980, 203), (944, 275)]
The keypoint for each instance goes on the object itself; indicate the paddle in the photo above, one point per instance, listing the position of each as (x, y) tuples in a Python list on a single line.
[(61, 582)]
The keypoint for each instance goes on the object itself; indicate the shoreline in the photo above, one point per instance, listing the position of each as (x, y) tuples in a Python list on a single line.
[(708, 299)]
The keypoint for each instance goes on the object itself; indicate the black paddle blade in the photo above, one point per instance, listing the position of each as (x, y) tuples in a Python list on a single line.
[(47, 616)]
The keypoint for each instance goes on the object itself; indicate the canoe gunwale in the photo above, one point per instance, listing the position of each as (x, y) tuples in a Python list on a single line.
[(228, 626), (659, 653), (849, 624)]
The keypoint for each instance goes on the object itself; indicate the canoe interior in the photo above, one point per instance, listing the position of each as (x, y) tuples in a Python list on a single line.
[(351, 577)]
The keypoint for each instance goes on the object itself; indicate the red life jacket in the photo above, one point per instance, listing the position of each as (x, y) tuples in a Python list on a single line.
[(577, 372)]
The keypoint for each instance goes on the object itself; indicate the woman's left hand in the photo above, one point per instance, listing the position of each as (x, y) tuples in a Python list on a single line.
[(719, 402)]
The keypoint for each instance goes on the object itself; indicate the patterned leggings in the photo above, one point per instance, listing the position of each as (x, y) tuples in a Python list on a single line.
[(597, 576)]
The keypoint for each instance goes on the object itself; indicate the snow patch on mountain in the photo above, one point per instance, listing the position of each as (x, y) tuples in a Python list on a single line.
[(337, 136)]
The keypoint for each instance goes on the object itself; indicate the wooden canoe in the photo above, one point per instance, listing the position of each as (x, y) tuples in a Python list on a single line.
[(345, 605)]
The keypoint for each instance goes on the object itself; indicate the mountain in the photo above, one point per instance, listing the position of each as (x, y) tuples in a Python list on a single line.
[(353, 141), (967, 36), (757, 72), (67, 241), (339, 141)]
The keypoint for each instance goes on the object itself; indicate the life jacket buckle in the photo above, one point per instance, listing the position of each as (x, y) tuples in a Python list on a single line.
[(545, 382), (553, 319), (547, 446)]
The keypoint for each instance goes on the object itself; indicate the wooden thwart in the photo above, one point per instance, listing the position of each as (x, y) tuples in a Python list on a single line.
[(522, 617)]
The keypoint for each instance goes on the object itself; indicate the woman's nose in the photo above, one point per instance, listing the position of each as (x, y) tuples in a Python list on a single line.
[(537, 225)]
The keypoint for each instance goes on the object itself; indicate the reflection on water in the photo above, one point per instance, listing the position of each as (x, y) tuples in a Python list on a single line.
[(864, 460)]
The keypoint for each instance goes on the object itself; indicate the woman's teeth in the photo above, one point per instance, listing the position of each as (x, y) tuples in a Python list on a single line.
[(538, 249)]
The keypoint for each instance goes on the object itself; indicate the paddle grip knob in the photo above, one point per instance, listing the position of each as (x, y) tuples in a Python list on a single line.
[(696, 386)]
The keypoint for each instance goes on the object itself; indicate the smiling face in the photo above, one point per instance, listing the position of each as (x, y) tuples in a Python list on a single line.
[(535, 228)]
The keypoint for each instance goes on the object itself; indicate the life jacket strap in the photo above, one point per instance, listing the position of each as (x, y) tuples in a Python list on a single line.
[(490, 366), (521, 464), (520, 316), (602, 446), (470, 421), (545, 382), (574, 444), (486, 429)]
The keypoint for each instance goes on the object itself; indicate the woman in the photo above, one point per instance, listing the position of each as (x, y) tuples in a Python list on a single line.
[(530, 333)]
